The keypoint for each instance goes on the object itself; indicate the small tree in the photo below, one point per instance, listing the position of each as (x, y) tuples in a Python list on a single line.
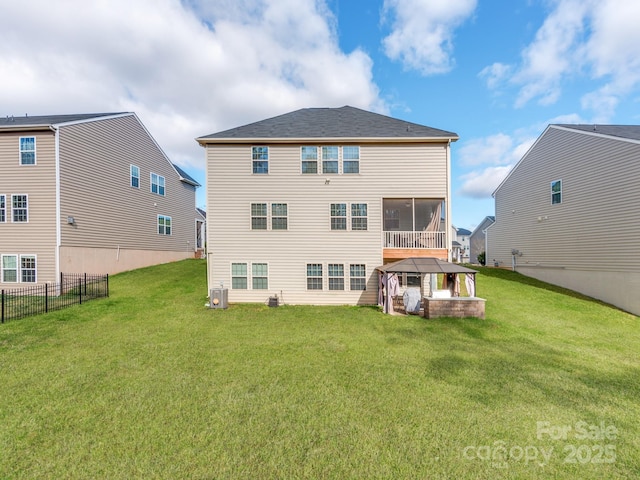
[(482, 258)]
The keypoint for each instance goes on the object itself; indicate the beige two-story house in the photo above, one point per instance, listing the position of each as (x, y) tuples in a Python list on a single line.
[(88, 193), (309, 203), (567, 213)]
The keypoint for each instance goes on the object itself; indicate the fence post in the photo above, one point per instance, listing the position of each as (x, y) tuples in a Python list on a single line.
[(80, 289), (46, 298), (107, 284), (3, 305), (85, 284)]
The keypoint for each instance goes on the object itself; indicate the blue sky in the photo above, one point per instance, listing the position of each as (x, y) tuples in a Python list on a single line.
[(495, 72)]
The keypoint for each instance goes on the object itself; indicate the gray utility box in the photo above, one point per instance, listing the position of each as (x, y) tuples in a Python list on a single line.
[(218, 297)]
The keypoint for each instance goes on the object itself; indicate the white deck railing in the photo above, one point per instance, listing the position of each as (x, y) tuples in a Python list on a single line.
[(415, 240)]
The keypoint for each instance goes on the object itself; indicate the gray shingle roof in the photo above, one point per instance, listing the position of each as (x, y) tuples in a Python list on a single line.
[(11, 121), (623, 131), (343, 122), (185, 176)]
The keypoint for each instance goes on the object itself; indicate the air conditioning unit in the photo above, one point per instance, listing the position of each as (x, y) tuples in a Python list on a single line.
[(218, 297)]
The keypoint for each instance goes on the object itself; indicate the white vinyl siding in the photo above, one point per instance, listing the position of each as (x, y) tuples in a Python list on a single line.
[(309, 238)]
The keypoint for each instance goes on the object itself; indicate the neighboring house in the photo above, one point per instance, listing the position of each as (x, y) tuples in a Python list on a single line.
[(201, 233), (88, 193), (567, 213), (309, 203), (477, 239), (462, 235)]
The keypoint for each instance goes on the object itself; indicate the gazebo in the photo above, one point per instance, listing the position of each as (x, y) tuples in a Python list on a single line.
[(445, 302)]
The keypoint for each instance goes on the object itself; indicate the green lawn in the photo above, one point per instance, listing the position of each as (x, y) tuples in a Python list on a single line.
[(150, 384)]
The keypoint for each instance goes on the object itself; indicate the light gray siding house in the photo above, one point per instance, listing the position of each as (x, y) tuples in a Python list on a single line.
[(477, 239), (568, 212), (309, 203), (88, 193)]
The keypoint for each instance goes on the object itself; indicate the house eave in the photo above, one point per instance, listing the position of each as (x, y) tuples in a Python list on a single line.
[(203, 141), (28, 128)]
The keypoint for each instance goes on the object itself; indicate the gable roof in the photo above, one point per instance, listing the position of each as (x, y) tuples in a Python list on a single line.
[(12, 122), (463, 231), (330, 123)]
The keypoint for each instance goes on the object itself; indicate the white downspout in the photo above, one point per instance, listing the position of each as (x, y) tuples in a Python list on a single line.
[(58, 216)]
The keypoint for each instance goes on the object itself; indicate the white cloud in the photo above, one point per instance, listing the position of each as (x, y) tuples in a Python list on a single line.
[(422, 32), (186, 68), (482, 183), (493, 150), (593, 39)]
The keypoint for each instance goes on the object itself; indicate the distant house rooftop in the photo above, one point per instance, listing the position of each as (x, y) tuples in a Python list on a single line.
[(13, 122), (623, 131), (335, 123)]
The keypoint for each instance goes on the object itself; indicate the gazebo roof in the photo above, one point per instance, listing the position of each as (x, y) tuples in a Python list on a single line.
[(424, 265)]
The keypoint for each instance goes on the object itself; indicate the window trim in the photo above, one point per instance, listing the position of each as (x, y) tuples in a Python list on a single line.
[(325, 160), (349, 217), (350, 160), (344, 217), (256, 160), (21, 151), (132, 176), (164, 227), (26, 208), (3, 208), (3, 269), (304, 160), (269, 216), (314, 277), (334, 277), (249, 275), (362, 277), (23, 269), (558, 193), (160, 185)]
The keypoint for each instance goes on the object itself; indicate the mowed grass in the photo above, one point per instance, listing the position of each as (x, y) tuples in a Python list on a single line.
[(151, 384)]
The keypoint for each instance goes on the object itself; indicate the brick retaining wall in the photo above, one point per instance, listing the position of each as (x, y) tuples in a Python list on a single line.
[(458, 307)]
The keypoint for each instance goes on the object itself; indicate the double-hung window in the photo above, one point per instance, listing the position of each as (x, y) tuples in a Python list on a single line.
[(239, 276), (357, 276), (164, 225), (27, 150), (157, 184), (358, 216), (244, 274), (259, 276), (260, 159), (556, 192), (336, 276), (351, 159), (258, 216), (330, 160), (9, 268), (314, 276), (28, 268), (309, 158), (279, 216), (19, 208), (134, 174), (338, 216), (269, 216), (3, 208)]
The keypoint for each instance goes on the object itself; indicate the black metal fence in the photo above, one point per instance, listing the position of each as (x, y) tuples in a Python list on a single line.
[(72, 289)]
